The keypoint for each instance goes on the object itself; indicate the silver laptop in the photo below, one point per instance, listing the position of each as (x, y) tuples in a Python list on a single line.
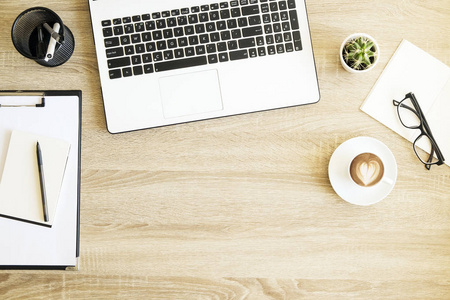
[(175, 61)]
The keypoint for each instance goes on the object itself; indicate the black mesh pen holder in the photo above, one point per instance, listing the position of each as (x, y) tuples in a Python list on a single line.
[(25, 36)]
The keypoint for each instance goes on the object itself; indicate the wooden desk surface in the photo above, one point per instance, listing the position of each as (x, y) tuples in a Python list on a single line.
[(242, 207)]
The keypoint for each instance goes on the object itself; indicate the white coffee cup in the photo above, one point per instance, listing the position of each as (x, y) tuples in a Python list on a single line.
[(367, 169)]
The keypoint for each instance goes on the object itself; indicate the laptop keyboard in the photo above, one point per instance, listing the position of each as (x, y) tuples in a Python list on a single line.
[(200, 35)]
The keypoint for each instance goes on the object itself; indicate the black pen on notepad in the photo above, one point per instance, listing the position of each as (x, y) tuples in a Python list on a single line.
[(42, 181)]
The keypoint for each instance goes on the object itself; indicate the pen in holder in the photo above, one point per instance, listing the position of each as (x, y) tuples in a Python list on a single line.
[(38, 33)]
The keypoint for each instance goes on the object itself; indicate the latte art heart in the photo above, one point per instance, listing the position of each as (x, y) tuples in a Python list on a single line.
[(366, 169)]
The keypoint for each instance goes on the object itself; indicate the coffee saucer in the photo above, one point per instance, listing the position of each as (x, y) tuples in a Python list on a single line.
[(342, 183)]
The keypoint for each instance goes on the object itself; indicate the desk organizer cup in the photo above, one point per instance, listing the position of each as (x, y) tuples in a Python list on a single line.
[(24, 34)]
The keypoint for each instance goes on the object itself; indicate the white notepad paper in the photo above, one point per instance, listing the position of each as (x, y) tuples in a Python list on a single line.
[(20, 191), (413, 70)]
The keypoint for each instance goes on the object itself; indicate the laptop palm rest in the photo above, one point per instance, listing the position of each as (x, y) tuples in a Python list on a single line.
[(190, 93)]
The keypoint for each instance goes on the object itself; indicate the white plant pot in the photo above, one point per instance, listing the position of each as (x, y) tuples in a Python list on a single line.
[(353, 36)]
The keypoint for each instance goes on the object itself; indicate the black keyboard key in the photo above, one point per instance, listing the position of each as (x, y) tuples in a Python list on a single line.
[(135, 38), (204, 17), (127, 72), (150, 25), (261, 51), (254, 20), (168, 54), (250, 10), (136, 18), (140, 48), (139, 27), (211, 48), (175, 12), (161, 23), (172, 43), (146, 17), (190, 51), (214, 16), (125, 40), (252, 52), (156, 15), (165, 14), (119, 62), (117, 21), (129, 28), (234, 3), (247, 43), (200, 50), (222, 46), (297, 40), (171, 22), (107, 31), (118, 30), (212, 58), (193, 19), (126, 20), (291, 4), (136, 60), (224, 5), (146, 58), (148, 68), (271, 50), (280, 48), (223, 57), (112, 42), (289, 47), (168, 33), (232, 45), (129, 50), (235, 12), (146, 37), (214, 6), (195, 9), (182, 20), (294, 19), (239, 54), (157, 56), (106, 23), (273, 6), (185, 11), (114, 52), (179, 53), (113, 74), (282, 5), (204, 7), (252, 31), (150, 46), (225, 14), (180, 63)]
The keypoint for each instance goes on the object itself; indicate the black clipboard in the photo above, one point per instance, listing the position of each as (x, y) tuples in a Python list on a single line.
[(56, 114)]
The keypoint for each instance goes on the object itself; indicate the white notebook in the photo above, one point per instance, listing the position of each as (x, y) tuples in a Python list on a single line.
[(20, 190), (413, 70)]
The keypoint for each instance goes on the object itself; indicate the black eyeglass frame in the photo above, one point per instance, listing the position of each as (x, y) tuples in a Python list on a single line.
[(424, 130)]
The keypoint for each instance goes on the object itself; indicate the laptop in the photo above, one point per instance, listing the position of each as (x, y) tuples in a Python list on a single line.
[(173, 61)]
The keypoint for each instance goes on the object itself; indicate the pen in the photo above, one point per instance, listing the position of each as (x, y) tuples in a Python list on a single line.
[(40, 51), (42, 181), (53, 41)]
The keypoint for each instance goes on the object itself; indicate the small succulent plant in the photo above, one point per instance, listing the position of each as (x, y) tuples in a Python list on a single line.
[(360, 53)]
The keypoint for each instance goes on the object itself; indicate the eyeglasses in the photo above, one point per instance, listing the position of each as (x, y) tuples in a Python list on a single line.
[(412, 117)]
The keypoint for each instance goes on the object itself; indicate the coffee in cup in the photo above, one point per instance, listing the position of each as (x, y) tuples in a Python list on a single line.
[(366, 169)]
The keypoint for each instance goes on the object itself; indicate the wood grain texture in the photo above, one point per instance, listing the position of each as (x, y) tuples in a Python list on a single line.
[(242, 207)]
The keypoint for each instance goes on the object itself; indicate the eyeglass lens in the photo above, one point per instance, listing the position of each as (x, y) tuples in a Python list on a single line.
[(423, 147), (408, 115)]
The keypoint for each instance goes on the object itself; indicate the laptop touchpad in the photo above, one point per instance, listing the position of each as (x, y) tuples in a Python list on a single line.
[(191, 93)]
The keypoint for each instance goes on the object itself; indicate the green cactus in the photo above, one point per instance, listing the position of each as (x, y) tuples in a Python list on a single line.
[(360, 53)]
